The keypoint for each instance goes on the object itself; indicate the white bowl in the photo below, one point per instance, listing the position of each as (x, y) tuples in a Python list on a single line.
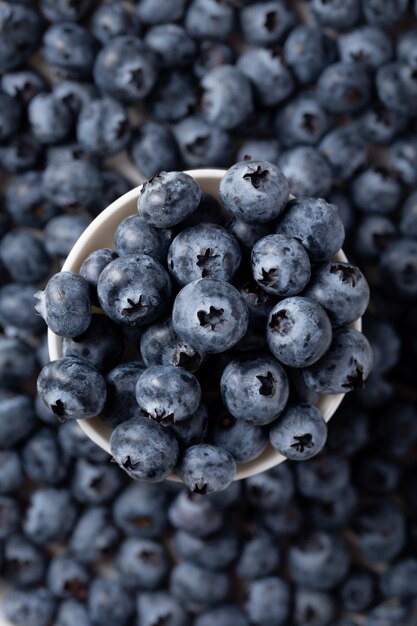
[(100, 234)]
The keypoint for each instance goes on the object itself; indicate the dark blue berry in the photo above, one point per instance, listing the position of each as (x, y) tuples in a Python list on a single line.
[(299, 433)]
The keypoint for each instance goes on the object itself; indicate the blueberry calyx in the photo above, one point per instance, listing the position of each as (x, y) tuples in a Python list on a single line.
[(311, 123), (136, 77), (301, 442), (280, 322), (355, 381), (347, 274), (162, 418), (213, 318), (75, 587), (199, 146), (190, 360), (256, 177), (59, 410), (268, 382), (204, 260), (127, 463), (271, 21), (199, 489), (134, 307), (269, 277)]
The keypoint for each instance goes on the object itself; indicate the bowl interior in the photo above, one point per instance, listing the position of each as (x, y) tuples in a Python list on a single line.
[(100, 234)]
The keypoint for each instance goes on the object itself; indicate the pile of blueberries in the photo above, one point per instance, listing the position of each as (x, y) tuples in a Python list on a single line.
[(326, 90), (201, 299)]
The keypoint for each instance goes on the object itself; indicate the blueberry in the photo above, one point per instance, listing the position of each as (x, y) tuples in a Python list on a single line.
[(173, 98), (375, 234), (17, 361), (346, 151), (284, 522), (36, 607), (408, 220), (65, 304), (243, 440), (335, 514), (379, 531), (154, 149), (197, 588), (24, 563), (336, 14), (72, 388), (384, 12), (298, 331), (168, 394), (320, 561), (226, 499), (195, 514), (66, 578), (70, 48), (93, 536), (344, 367), (75, 443), (72, 612), (50, 515), (376, 190), (255, 191), (259, 150), (316, 607), (259, 557), (204, 251), (10, 519), (144, 449), (211, 54), (11, 475), (141, 511), (402, 156), (210, 314), (125, 69), (59, 10), (209, 19), (206, 468), (95, 483), (369, 45), (44, 461), (280, 265), (22, 84), (307, 51), (406, 51), (316, 223), (142, 563), (109, 604), (71, 185), (171, 44), (154, 606), (24, 256), (302, 121), (114, 186), (391, 90), (21, 153), (226, 99), (50, 119), (267, 601), (299, 391), (399, 266), (266, 23), (344, 87), (17, 418), (391, 613), (342, 290), (271, 79), (254, 389), (121, 402), (112, 20), (270, 490), (209, 211), (25, 202), (299, 433), (135, 236), (160, 345), (160, 12), (92, 267), (215, 552), (103, 127), (399, 580), (134, 290), (200, 144), (225, 615), (168, 198), (21, 29), (323, 478), (307, 171), (101, 344)]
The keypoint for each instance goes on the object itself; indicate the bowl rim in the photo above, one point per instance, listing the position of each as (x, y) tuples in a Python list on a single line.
[(93, 427)]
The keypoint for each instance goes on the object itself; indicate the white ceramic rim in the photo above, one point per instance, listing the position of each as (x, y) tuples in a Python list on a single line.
[(95, 428)]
